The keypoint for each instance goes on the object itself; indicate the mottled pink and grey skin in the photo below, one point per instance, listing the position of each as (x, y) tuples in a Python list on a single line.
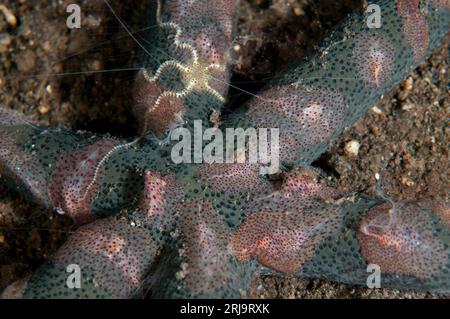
[(415, 26), (300, 189), (303, 115), (205, 246), (375, 58), (14, 162), (213, 39), (117, 254), (281, 230), (115, 251), (151, 118), (440, 207), (201, 37), (73, 193), (161, 193), (22, 168), (205, 230), (232, 178), (440, 3), (400, 239)]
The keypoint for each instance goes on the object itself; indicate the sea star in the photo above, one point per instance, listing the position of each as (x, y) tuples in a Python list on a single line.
[(205, 230)]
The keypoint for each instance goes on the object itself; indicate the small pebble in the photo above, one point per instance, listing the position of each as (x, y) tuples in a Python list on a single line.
[(408, 84), (9, 16), (44, 109), (352, 148), (49, 89), (407, 181), (377, 110), (407, 106), (298, 11)]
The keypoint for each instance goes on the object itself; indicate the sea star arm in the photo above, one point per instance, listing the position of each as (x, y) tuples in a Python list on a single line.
[(229, 222)]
